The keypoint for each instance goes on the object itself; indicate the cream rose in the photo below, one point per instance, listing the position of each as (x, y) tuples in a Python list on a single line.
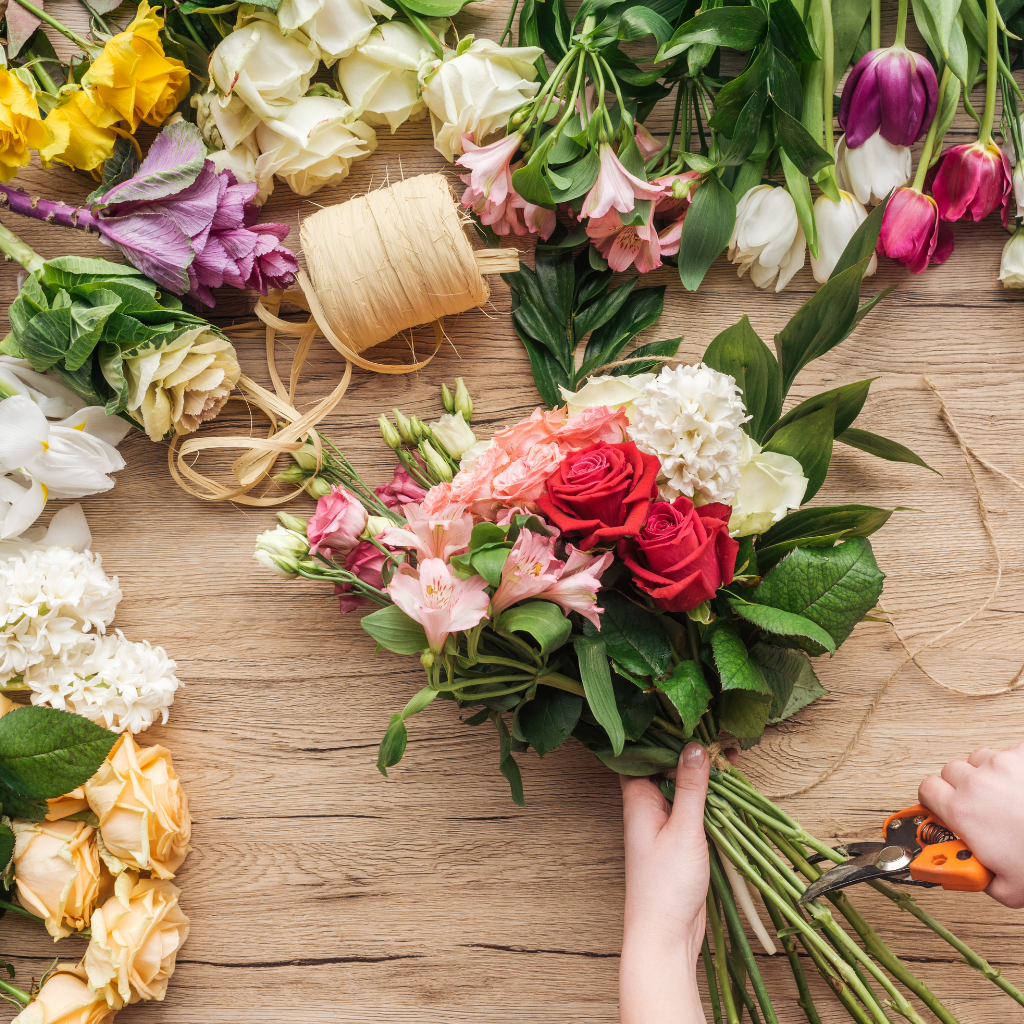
[(336, 27), (136, 936), (57, 872), (183, 384), (770, 485), (142, 808), (65, 998), (613, 392)]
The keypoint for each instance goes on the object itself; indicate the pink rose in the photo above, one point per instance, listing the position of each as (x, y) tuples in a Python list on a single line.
[(598, 423), (437, 499), (366, 562), (541, 425), (474, 487), (401, 489), (523, 481), (337, 523)]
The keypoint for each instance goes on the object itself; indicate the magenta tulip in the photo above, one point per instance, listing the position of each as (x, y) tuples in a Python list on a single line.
[(892, 91), (971, 181), (912, 231)]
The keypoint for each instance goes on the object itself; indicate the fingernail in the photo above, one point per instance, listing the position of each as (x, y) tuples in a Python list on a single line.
[(694, 756)]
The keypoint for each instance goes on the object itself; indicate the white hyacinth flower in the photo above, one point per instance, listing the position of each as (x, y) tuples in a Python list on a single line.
[(873, 170), (836, 223), (767, 239), (122, 685), (691, 418)]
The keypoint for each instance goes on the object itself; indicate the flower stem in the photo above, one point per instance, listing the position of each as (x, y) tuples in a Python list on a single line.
[(48, 210), (665, 726), (901, 24), (15, 249), (508, 24), (930, 139), (805, 1000), (15, 992), (417, 23), (560, 682), (709, 969), (828, 60), (90, 48), (721, 960), (6, 905), (991, 72), (876, 24)]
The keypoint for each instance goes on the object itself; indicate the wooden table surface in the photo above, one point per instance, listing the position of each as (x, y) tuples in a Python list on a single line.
[(319, 890)]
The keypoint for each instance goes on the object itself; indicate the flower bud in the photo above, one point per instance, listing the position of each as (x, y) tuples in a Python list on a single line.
[(391, 436), (463, 403), (318, 487), (279, 550), (306, 456), (294, 474), (376, 525), (404, 427), (702, 613), (420, 431), (427, 660), (293, 523), (454, 434), (446, 399), (435, 464)]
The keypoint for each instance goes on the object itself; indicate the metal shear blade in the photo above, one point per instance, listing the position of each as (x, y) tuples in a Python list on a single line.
[(870, 860)]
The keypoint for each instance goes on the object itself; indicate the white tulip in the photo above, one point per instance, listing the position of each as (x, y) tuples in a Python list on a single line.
[(313, 145), (380, 78), (67, 459), (18, 378), (1011, 266), (611, 391), (770, 485), (836, 223), (477, 91), (767, 239), (336, 27), (1018, 187), (873, 170)]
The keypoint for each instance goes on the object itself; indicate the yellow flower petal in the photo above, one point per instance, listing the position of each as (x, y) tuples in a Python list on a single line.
[(82, 136), (21, 128)]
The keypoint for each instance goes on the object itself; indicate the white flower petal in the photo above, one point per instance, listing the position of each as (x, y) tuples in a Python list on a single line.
[(23, 431)]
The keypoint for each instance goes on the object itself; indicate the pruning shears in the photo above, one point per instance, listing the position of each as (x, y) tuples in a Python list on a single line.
[(918, 850)]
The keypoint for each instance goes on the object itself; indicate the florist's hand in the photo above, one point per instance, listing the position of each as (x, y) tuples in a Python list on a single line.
[(666, 888), (979, 799)]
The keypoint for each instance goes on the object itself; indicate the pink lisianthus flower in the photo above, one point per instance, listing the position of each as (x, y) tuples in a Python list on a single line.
[(401, 489), (438, 535), (490, 173), (336, 524), (615, 188), (438, 600), (523, 481), (530, 569), (971, 181), (367, 562), (577, 585), (622, 245), (912, 231), (596, 423)]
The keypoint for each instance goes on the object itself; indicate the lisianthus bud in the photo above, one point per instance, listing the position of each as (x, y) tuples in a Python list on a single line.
[(376, 525), (280, 550), (454, 433), (912, 231), (893, 91), (391, 436), (873, 170), (337, 523), (293, 523), (837, 223), (971, 181), (318, 487), (306, 456), (437, 466), (463, 403), (446, 399), (404, 427), (294, 474), (1011, 266), (419, 429), (65, 998)]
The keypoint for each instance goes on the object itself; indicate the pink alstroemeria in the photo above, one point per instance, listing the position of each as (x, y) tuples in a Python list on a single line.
[(623, 245), (971, 181), (439, 536), (647, 144), (678, 190), (490, 172), (615, 188), (912, 231), (527, 571), (438, 600), (534, 220), (576, 588)]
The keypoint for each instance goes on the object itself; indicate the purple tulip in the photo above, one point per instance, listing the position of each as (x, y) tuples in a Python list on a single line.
[(892, 91)]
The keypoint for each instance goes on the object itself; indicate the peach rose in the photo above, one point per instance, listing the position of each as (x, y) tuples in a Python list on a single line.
[(135, 940), (523, 481), (538, 428), (143, 810), (437, 499), (57, 871), (474, 488), (598, 423), (66, 805), (65, 998)]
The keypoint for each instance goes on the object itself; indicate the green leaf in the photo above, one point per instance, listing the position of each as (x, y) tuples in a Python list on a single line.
[(553, 267), (791, 678), (26, 808), (744, 714), (530, 183), (800, 147), (809, 441), (800, 189), (833, 587), (942, 15), (732, 659), (783, 623), (599, 312), (597, 682), (542, 620), (639, 22), (548, 373), (392, 747), (861, 245), (688, 691), (818, 528), (6, 847), (394, 630), (661, 350), (548, 720), (850, 399), (786, 20), (706, 231), (434, 8), (47, 753), (532, 314), (732, 98), (506, 763), (740, 28), (875, 444), (636, 707), (848, 19), (639, 311), (784, 82), (744, 132), (580, 176), (46, 338), (634, 637), (739, 352), (635, 759)]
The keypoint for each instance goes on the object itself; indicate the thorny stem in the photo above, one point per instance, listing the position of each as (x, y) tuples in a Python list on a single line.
[(930, 139), (991, 73)]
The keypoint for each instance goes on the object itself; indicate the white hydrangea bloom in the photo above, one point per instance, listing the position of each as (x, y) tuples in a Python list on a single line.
[(691, 417), (119, 684), (50, 599)]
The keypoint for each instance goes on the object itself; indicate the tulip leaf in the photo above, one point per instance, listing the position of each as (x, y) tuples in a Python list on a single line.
[(688, 691), (634, 637), (744, 714), (597, 683), (744, 132), (736, 670), (809, 441), (787, 624), (800, 189), (47, 753), (939, 16), (707, 229), (791, 677), (542, 620), (882, 447), (783, 80), (548, 720), (732, 98), (740, 28), (739, 352), (851, 398), (789, 24), (394, 630), (435, 8), (863, 241), (799, 145)]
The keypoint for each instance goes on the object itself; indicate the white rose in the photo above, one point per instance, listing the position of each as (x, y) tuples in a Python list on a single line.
[(259, 73), (613, 392), (241, 160), (336, 27), (1011, 266), (836, 223), (380, 78), (454, 433), (770, 485), (313, 145), (477, 91), (873, 170)]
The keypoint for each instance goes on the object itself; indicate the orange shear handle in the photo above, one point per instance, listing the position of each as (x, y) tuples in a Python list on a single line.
[(950, 863)]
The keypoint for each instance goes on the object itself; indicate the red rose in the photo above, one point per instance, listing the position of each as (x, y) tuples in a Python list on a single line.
[(683, 554), (603, 492)]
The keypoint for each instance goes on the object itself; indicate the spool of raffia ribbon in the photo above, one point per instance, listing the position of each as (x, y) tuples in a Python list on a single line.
[(378, 265)]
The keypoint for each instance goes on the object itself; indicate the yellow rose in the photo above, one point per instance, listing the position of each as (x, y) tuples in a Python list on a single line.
[(135, 77), (65, 998), (64, 806), (21, 128), (82, 133), (143, 811), (57, 871), (135, 940)]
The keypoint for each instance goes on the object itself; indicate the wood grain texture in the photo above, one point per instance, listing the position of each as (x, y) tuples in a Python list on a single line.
[(319, 890)]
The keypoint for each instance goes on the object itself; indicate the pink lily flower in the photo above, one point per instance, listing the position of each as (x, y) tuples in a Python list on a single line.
[(438, 600), (439, 536), (489, 166), (912, 231), (623, 246), (971, 181), (526, 570), (615, 187), (576, 588)]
